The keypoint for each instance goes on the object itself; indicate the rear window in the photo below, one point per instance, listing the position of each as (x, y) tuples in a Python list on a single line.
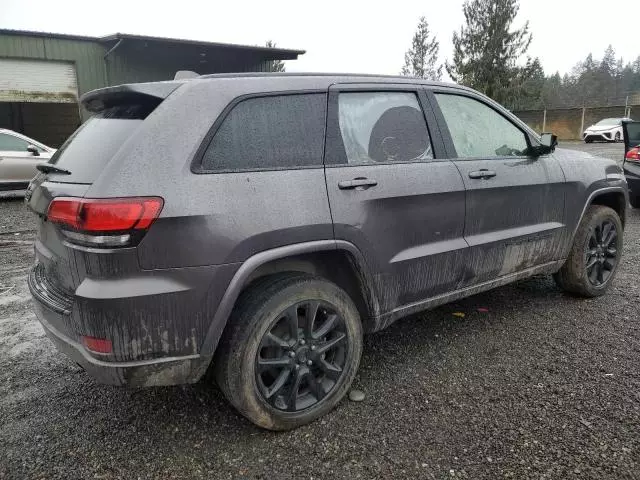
[(266, 133), (89, 149)]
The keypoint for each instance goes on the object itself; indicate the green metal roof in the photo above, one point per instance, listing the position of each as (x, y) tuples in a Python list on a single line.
[(266, 52)]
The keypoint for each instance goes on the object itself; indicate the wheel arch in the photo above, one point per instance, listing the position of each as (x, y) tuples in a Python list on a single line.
[(338, 261), (609, 197)]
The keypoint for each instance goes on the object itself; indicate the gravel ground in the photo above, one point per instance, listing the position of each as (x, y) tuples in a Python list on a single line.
[(14, 217), (543, 385)]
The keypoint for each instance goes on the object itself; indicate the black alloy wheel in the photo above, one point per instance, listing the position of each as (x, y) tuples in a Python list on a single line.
[(601, 254), (302, 356)]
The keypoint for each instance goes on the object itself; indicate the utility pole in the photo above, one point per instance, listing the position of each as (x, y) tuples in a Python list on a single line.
[(626, 106)]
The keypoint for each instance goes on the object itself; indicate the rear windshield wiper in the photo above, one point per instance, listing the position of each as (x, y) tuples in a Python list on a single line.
[(49, 168)]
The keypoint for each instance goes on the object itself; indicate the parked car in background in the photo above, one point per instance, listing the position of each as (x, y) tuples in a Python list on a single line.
[(19, 156), (261, 236), (631, 164), (607, 130)]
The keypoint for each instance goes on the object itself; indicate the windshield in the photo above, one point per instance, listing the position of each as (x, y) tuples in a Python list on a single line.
[(89, 149), (608, 122)]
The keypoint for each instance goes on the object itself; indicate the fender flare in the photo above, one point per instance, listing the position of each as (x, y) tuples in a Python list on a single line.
[(589, 201), (226, 305)]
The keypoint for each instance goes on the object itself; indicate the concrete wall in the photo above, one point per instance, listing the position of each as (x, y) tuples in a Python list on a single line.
[(567, 122)]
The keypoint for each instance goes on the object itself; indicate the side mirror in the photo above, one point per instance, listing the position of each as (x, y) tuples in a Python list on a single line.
[(549, 140), (34, 150)]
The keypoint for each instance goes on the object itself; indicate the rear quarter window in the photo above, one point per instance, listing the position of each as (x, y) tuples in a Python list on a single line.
[(266, 133)]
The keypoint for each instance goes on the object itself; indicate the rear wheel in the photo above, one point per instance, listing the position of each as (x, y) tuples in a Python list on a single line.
[(290, 351), (595, 254)]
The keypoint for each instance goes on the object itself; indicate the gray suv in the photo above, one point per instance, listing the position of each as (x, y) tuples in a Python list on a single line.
[(254, 226)]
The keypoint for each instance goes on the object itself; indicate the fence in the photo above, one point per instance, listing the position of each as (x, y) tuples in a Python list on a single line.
[(569, 123)]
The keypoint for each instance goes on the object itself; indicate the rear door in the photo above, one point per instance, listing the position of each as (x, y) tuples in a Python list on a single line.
[(514, 203), (391, 192)]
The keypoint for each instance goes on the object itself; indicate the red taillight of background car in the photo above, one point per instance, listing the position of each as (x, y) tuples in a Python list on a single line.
[(104, 222), (633, 155)]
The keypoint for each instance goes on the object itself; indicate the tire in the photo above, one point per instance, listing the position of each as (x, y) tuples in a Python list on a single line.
[(634, 201), (588, 140), (617, 137), (260, 321), (575, 276)]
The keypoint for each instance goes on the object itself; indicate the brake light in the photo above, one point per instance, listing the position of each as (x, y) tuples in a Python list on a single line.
[(97, 345), (633, 155), (104, 222)]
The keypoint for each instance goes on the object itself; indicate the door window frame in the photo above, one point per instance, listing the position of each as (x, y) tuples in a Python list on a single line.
[(430, 93), (334, 151)]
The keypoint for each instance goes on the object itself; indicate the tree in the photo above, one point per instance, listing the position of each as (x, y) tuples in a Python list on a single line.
[(274, 65), (421, 60), (608, 64), (487, 49)]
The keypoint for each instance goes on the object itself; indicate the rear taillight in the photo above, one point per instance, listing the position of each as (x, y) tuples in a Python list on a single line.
[(111, 222), (633, 155)]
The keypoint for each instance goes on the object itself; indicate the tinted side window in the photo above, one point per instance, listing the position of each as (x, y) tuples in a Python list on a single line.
[(477, 130), (383, 127), (282, 131), (9, 143)]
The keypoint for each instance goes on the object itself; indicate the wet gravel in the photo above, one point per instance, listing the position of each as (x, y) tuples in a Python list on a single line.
[(14, 217), (542, 385)]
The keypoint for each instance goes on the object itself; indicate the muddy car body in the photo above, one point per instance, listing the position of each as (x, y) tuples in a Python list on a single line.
[(266, 189)]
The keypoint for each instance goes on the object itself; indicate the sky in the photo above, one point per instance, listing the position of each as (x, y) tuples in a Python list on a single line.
[(339, 36)]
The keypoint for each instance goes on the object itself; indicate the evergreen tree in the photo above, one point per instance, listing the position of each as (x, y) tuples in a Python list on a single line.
[(421, 60), (486, 49)]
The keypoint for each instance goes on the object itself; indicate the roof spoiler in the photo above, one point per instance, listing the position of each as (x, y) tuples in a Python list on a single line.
[(97, 100)]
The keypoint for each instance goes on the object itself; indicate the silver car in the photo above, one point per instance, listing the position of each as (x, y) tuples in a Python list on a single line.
[(19, 156)]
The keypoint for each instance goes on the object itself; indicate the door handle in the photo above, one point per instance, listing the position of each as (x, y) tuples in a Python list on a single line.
[(482, 173), (360, 183)]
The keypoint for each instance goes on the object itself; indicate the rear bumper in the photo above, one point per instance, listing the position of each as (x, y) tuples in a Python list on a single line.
[(143, 373), (157, 322)]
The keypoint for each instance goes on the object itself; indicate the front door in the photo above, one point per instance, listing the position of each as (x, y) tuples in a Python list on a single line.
[(515, 202), (392, 194)]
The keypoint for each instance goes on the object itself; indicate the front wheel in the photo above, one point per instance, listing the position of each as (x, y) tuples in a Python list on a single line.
[(290, 351), (617, 137), (595, 254)]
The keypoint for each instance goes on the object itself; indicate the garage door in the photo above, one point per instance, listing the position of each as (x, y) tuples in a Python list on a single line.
[(37, 81)]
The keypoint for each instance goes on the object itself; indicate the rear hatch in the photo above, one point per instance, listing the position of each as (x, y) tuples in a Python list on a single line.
[(69, 226)]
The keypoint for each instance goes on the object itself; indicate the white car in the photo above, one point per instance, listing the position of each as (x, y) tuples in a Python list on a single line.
[(608, 130), (19, 156)]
